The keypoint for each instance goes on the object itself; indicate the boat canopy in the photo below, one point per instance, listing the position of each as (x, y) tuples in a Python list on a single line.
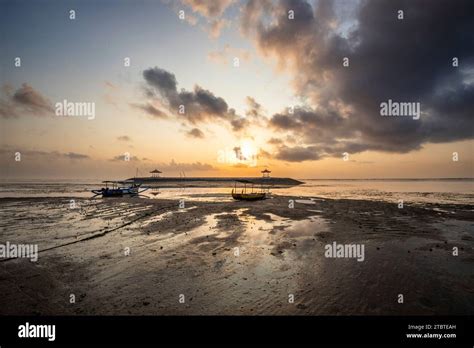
[(244, 181), (117, 181)]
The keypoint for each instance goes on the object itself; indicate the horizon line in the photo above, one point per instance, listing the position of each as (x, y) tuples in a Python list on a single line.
[(69, 180)]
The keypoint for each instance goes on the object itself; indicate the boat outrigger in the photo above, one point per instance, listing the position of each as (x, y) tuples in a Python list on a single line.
[(245, 195), (112, 189)]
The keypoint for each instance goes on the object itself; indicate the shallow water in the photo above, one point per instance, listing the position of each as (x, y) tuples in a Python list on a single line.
[(416, 191), (459, 191)]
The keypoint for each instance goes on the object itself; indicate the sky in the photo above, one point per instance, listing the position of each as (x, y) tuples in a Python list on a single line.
[(228, 88)]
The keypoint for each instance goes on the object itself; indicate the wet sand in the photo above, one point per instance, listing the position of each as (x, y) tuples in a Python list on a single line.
[(235, 258)]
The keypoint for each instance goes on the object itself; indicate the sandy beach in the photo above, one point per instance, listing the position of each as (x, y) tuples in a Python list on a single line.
[(134, 256)]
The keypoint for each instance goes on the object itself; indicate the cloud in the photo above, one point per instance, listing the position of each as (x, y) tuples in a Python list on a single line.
[(226, 55), (25, 100), (208, 8), (39, 163), (275, 141), (123, 157), (124, 138), (6, 110), (75, 156), (254, 117), (110, 85), (405, 60), (187, 167), (240, 124), (190, 19), (264, 154), (50, 155), (195, 133), (164, 81), (32, 99), (297, 153), (112, 94), (150, 110), (215, 27), (254, 109), (209, 13), (193, 107)]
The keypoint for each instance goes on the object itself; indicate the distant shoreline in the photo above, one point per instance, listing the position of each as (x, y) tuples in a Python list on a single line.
[(225, 181), (99, 180)]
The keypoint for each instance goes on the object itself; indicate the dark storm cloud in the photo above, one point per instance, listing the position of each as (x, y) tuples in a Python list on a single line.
[(407, 60), (198, 106), (297, 153), (285, 122), (162, 80), (209, 102), (314, 126)]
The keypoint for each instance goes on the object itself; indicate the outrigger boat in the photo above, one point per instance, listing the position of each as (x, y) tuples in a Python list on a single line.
[(245, 195), (112, 189)]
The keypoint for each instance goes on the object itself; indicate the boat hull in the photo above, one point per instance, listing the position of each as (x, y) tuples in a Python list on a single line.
[(248, 196), (116, 192)]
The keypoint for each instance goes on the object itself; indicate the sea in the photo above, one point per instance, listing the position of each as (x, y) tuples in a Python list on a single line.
[(441, 191)]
